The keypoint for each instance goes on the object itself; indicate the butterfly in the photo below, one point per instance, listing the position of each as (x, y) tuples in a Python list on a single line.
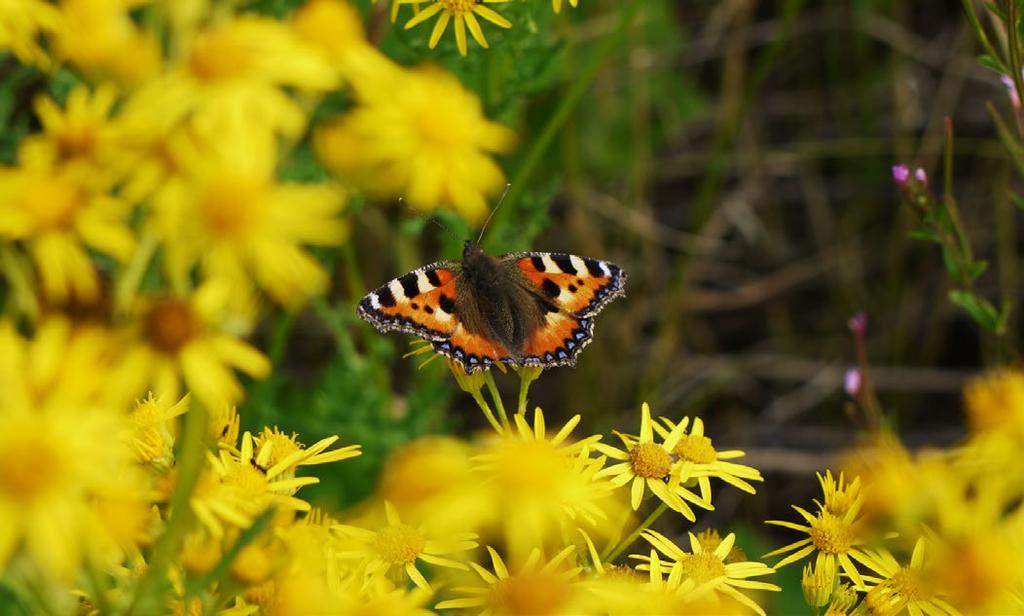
[(531, 309)]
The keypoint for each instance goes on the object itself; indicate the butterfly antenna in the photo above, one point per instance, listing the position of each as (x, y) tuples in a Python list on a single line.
[(441, 224), (491, 215)]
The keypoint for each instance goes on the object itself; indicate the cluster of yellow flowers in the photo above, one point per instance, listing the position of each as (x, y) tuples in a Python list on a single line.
[(932, 532)]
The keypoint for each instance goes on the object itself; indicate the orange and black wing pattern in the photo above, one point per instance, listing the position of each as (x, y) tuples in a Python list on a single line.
[(472, 351), (572, 290), (421, 302)]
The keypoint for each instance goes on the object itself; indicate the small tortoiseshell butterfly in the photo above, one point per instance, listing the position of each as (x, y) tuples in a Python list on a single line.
[(521, 308)]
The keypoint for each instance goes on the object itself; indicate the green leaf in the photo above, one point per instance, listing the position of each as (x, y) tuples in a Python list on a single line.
[(1017, 200), (983, 313), (976, 268), (924, 233)]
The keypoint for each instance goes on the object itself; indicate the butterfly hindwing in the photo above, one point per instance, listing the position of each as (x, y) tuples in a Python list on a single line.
[(472, 351), (580, 286), (559, 341), (421, 302)]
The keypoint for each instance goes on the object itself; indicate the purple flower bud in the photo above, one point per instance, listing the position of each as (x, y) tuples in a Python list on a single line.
[(1011, 89), (852, 382), (858, 324), (900, 175), (920, 175)]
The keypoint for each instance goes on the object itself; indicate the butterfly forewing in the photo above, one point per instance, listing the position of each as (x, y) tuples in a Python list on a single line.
[(421, 302)]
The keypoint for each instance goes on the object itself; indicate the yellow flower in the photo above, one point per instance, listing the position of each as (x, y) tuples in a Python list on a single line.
[(536, 485), (819, 583), (649, 464), (57, 215), (335, 28), (557, 5), (233, 77), (699, 460), (903, 588), (224, 426), (711, 569), (278, 454), (21, 22), (227, 213), (418, 134), (995, 402), (398, 546), (234, 490), (54, 463), (153, 430), (431, 481), (464, 12), (102, 38), (176, 339), (834, 538), (536, 588)]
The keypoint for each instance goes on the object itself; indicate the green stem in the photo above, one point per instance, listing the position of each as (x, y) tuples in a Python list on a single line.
[(220, 570), (572, 97), (492, 387), (152, 588), (131, 278), (628, 541), (1013, 42), (488, 413)]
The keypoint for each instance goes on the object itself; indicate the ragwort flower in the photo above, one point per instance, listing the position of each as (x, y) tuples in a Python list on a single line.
[(399, 546), (712, 569), (21, 22), (57, 213), (179, 339), (464, 12), (649, 465), (535, 588), (418, 134), (699, 460), (901, 587), (227, 213)]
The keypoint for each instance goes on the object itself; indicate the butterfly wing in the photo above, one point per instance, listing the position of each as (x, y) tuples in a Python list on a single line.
[(573, 289), (421, 302)]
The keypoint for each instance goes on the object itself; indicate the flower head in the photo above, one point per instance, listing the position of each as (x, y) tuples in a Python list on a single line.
[(649, 465), (398, 546), (464, 13), (698, 459), (418, 134)]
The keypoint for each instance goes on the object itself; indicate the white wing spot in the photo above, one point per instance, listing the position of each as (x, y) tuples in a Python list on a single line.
[(604, 268), (422, 283), (397, 291), (374, 301), (549, 264), (577, 264)]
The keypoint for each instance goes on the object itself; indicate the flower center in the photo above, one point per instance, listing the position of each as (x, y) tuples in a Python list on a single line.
[(278, 444), (216, 57), (530, 593), (53, 202), (650, 460), (230, 206), (76, 142), (399, 545), (698, 449), (838, 503), (907, 584), (29, 468), (830, 534), (170, 324), (458, 7), (248, 478), (703, 567)]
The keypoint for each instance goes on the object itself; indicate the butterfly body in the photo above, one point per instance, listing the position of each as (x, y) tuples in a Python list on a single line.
[(522, 309)]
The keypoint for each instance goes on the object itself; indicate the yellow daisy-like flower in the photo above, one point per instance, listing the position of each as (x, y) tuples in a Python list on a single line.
[(102, 38), (335, 28), (711, 569), (82, 132), (834, 538), (183, 339), (995, 403), (397, 546), (21, 22), (153, 431), (227, 213), (234, 490), (536, 485), (840, 496), (699, 460), (903, 587), (57, 214), (54, 463), (418, 134), (233, 76), (464, 12), (536, 588), (649, 465), (279, 454)]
